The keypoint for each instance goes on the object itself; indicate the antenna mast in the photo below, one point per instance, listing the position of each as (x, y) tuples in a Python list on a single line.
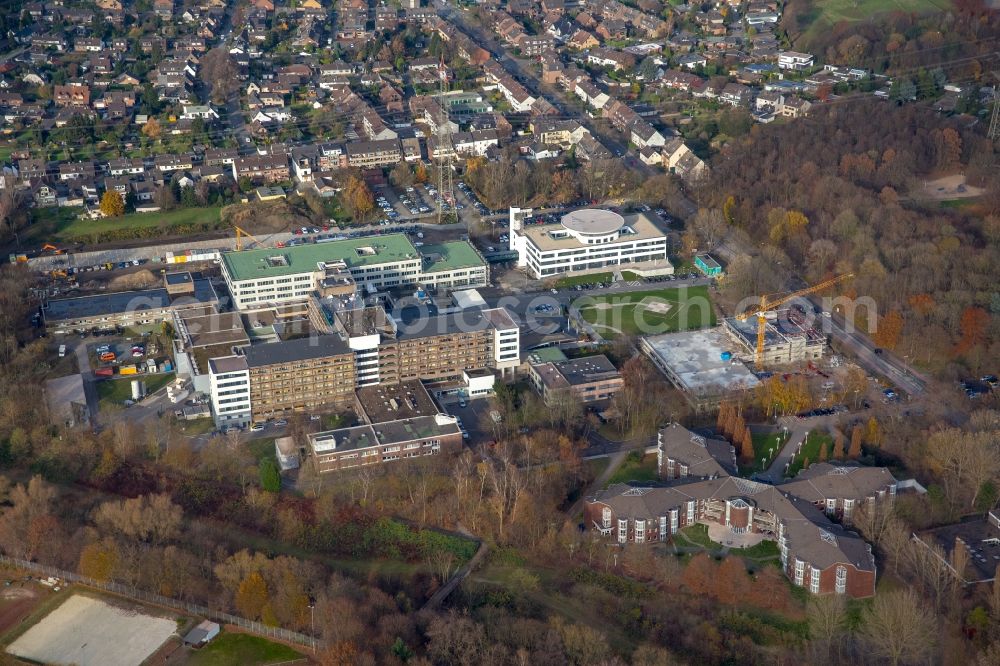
[(445, 149)]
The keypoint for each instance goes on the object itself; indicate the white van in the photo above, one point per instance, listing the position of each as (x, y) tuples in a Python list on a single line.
[(62, 351)]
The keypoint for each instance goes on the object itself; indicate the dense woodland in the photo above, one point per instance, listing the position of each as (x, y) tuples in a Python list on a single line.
[(961, 41), (843, 195)]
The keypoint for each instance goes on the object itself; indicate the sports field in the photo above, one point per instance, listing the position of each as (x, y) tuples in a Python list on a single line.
[(90, 632), (648, 312)]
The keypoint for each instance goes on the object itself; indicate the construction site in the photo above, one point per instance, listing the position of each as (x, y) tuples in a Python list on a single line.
[(713, 365)]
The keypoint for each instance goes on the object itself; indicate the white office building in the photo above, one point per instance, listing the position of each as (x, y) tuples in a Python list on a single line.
[(589, 240), (262, 277), (229, 379)]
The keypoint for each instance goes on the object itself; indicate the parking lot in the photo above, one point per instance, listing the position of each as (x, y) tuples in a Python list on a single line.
[(474, 417)]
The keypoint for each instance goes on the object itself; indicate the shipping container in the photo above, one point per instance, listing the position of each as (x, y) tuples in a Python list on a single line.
[(128, 370), (104, 372)]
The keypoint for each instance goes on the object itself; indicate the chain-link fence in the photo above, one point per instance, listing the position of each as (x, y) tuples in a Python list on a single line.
[(160, 600)]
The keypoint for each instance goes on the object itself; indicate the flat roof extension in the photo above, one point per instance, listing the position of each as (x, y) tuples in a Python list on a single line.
[(355, 252)]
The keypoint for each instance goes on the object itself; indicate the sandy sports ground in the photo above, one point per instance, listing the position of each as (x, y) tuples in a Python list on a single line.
[(950, 187), (91, 632)]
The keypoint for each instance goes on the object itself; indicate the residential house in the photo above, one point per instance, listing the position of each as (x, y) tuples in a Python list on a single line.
[(795, 61), (74, 94), (592, 95), (373, 154), (270, 168), (736, 94)]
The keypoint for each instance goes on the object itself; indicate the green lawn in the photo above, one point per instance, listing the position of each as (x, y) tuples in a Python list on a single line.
[(572, 280), (636, 468), (697, 536), (64, 224), (261, 448), (762, 442), (824, 14), (242, 650), (960, 203), (116, 391), (649, 312), (196, 426), (810, 451)]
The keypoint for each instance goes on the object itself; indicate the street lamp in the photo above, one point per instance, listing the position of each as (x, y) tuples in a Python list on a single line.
[(312, 622)]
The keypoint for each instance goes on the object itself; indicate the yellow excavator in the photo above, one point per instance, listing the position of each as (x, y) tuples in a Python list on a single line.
[(772, 302)]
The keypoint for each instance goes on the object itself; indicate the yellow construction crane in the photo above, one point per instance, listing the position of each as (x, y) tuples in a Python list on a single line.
[(240, 233), (770, 303)]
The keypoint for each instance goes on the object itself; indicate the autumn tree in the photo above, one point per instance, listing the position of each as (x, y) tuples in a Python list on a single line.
[(838, 445), (151, 129), (973, 325), (31, 508), (149, 518), (855, 451), (112, 204), (98, 560), (886, 333), (358, 198), (699, 574), (873, 432), (252, 596), (420, 173), (339, 653), (746, 447)]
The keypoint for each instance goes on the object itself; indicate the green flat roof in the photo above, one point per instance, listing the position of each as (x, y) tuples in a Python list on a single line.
[(255, 264), (547, 355), (449, 256)]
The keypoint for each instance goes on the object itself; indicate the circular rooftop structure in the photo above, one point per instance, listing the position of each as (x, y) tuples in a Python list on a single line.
[(593, 221)]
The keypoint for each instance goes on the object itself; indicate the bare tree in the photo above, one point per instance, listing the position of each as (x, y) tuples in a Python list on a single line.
[(150, 518), (873, 519), (13, 209), (965, 461), (507, 483), (827, 615), (899, 628), (710, 226)]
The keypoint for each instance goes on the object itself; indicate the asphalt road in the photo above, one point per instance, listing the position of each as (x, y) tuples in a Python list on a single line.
[(530, 80)]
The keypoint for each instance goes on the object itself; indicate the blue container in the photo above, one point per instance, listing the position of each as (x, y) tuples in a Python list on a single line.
[(727, 356)]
